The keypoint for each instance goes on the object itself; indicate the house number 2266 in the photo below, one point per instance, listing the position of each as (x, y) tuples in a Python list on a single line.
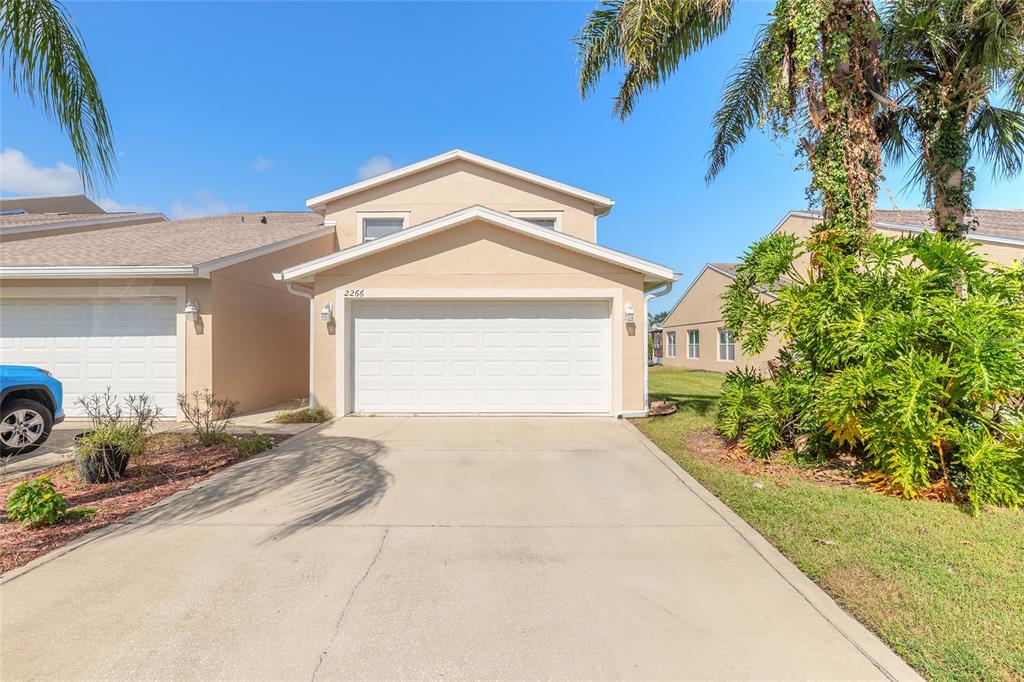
[(355, 293)]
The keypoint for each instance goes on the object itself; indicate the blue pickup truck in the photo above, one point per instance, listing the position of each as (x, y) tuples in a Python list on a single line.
[(30, 404)]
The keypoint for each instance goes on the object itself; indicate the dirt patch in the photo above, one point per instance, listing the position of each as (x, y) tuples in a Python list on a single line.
[(661, 408), (172, 462), (707, 445)]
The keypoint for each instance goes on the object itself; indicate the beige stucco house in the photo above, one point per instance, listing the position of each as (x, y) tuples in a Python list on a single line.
[(161, 307), (694, 336), (462, 285)]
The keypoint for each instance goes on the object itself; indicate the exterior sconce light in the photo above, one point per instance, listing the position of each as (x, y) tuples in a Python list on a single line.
[(327, 313), (630, 317), (191, 311)]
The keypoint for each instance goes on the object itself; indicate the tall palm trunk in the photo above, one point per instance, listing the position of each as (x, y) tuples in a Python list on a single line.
[(949, 180), (845, 160)]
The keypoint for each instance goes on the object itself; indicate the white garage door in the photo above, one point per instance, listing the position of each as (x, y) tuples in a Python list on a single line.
[(89, 344), (494, 356)]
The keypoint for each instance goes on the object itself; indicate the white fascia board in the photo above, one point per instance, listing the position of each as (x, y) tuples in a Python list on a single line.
[(204, 269), (98, 222), (320, 200), (655, 271), (96, 272)]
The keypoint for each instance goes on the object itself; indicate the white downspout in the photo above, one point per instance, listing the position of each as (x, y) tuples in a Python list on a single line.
[(291, 287), (664, 289)]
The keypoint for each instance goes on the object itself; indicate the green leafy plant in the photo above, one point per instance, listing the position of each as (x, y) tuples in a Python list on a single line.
[(908, 353), (305, 415), (209, 415), (120, 430), (37, 503), (253, 444)]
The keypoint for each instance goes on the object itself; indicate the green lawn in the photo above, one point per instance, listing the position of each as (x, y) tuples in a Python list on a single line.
[(943, 589)]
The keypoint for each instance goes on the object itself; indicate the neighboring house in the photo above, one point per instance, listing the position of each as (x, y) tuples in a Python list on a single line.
[(25, 217), (695, 337), (163, 307), (462, 285)]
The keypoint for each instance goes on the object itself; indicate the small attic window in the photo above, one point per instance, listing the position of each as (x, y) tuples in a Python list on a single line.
[(377, 225), (549, 220)]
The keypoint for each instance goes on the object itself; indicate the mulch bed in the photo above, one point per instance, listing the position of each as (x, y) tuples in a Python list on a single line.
[(707, 445), (173, 462)]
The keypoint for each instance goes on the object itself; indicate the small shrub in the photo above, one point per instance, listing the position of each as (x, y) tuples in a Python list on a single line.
[(136, 410), (36, 503), (253, 444), (306, 415), (119, 434), (209, 415)]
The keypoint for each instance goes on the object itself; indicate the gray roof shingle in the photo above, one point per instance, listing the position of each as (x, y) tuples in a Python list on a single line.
[(178, 242)]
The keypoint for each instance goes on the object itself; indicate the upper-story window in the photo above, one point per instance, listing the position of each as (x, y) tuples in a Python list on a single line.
[(551, 220), (376, 225)]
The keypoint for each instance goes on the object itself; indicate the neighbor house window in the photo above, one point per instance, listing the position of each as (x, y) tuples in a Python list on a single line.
[(549, 220), (671, 344), (375, 228), (693, 344), (726, 345)]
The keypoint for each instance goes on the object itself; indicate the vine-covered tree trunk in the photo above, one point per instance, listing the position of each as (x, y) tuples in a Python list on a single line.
[(946, 155), (845, 160)]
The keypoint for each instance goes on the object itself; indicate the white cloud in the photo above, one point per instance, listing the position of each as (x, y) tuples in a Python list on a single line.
[(114, 206), (206, 204), (18, 175), (375, 166), (261, 164)]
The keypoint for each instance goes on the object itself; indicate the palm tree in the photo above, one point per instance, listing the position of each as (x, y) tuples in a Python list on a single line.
[(814, 68), (950, 60), (42, 53)]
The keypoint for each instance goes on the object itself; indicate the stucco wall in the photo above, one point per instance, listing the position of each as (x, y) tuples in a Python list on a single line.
[(261, 347), (453, 186), (700, 309), (479, 256)]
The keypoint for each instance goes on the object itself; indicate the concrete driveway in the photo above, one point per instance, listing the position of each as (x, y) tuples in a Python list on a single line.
[(434, 548)]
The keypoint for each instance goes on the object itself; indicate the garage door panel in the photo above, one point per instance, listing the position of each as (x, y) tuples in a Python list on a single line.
[(89, 344), (508, 356)]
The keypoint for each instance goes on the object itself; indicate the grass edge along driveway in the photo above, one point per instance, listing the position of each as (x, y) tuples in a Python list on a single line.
[(943, 589)]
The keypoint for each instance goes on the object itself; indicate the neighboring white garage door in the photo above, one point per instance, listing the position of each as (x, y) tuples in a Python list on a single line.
[(493, 356), (89, 344)]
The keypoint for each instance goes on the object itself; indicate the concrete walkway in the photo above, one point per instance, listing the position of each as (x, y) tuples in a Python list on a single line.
[(466, 548)]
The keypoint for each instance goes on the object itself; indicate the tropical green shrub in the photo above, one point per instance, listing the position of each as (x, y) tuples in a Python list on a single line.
[(37, 503), (908, 353), (253, 444)]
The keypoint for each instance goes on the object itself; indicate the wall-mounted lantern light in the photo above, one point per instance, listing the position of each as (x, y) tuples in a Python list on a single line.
[(630, 317), (327, 313), (191, 311)]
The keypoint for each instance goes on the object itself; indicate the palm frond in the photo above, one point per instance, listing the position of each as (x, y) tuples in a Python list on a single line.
[(43, 55), (744, 102), (649, 38), (998, 136)]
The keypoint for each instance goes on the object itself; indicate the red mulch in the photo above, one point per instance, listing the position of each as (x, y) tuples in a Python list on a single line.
[(173, 462), (707, 445)]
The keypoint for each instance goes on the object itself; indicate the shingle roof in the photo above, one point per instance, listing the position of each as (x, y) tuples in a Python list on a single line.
[(1004, 223), (179, 242), (728, 267), (23, 219)]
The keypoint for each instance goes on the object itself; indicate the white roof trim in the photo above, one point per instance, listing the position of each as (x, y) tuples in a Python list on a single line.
[(973, 236), (105, 219), (321, 199), (98, 271), (204, 269), (653, 270)]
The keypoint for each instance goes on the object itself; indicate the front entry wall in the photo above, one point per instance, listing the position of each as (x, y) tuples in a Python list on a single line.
[(477, 262)]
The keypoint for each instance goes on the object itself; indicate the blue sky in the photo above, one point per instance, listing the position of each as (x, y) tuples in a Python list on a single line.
[(258, 106)]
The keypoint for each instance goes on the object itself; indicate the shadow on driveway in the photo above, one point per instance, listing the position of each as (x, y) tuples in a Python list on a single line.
[(315, 482)]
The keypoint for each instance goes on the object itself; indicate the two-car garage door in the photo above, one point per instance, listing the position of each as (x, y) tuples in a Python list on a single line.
[(128, 344), (488, 356)]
